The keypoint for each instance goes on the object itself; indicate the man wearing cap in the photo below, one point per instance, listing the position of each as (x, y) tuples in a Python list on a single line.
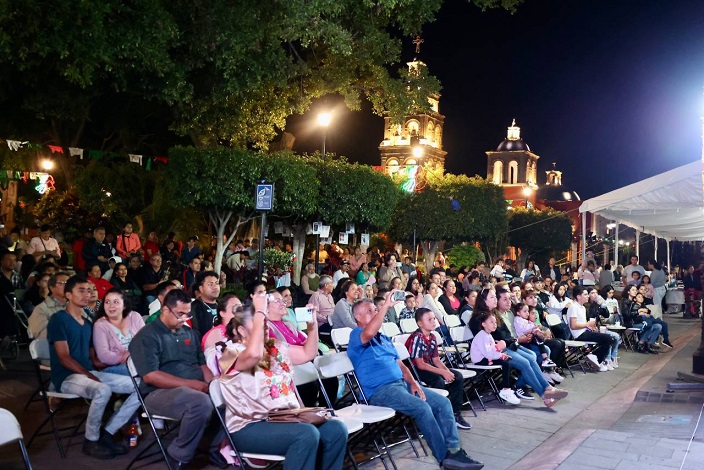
[(341, 273)]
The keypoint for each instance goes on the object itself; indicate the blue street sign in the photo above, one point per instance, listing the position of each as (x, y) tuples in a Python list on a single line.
[(265, 197)]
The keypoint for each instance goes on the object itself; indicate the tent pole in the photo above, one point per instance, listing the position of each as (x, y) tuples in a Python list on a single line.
[(667, 244), (638, 244), (584, 238), (655, 254), (616, 245)]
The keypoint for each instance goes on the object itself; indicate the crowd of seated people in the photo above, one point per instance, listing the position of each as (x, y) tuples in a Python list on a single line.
[(181, 333)]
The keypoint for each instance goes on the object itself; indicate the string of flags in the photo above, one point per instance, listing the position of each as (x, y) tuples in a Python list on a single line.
[(142, 160)]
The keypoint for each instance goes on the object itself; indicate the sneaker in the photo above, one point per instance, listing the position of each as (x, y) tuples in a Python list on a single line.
[(602, 367), (461, 423), (97, 450), (555, 393), (460, 461), (668, 344), (548, 363), (548, 378), (593, 360), (608, 365), (509, 396), (108, 440), (614, 363), (557, 378), (524, 394)]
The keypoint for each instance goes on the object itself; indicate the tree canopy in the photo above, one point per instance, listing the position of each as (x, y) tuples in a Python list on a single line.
[(119, 75), (532, 230), (453, 208)]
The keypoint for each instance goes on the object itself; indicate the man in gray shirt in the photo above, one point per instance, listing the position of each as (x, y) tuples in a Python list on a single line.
[(634, 266)]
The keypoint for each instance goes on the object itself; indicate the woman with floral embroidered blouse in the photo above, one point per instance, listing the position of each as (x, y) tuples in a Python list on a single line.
[(257, 378)]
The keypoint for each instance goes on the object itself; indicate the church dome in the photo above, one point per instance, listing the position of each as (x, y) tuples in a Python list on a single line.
[(511, 145)]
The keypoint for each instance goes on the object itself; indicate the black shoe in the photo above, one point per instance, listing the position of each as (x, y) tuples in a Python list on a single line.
[(524, 394), (461, 423), (108, 441), (217, 459), (651, 350), (668, 344), (97, 450), (642, 348), (175, 464), (460, 461)]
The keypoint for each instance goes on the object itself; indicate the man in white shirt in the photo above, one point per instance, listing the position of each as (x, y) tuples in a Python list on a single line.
[(341, 273), (634, 266), (44, 246), (583, 330)]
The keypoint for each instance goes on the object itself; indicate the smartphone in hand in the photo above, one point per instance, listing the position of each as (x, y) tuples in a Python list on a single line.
[(303, 314)]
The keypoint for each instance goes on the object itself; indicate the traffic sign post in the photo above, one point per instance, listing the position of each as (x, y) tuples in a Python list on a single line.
[(264, 202)]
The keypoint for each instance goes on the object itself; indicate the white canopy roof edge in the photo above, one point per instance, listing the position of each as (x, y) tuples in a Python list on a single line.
[(669, 205)]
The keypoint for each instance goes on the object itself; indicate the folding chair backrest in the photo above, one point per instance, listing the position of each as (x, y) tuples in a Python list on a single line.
[(341, 337), (400, 339), (438, 337), (402, 351), (333, 365), (131, 368), (390, 329), (39, 349), (553, 319), (409, 325), (304, 373), (216, 393), (461, 334), (452, 321)]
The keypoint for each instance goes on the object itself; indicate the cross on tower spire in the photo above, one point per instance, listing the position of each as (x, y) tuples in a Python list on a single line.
[(418, 41)]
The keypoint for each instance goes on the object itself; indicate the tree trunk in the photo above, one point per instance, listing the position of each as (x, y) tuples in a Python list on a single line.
[(430, 249), (299, 248)]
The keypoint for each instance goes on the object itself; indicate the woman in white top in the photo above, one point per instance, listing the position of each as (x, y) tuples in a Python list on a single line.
[(430, 301), (557, 304)]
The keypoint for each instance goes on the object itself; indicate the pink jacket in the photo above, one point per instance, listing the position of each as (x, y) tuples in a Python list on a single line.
[(107, 345)]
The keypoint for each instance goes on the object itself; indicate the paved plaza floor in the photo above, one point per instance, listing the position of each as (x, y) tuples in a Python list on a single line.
[(621, 420)]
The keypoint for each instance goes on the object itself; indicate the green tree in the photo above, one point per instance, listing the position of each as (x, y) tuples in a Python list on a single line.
[(222, 183), (116, 75), (65, 213), (534, 231), (452, 208), (348, 192)]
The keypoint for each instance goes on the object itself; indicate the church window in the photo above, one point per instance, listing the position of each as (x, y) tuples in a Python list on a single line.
[(498, 172), (513, 172)]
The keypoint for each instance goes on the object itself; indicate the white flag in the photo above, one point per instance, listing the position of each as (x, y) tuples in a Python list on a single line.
[(75, 152), (16, 144), (135, 159)]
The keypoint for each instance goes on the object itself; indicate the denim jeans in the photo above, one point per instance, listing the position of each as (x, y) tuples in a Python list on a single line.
[(613, 351), (524, 360), (300, 443), (665, 329), (119, 369), (433, 416), (538, 353), (99, 393), (649, 335), (454, 388)]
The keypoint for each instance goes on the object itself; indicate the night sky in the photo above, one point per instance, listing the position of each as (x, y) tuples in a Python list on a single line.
[(611, 90)]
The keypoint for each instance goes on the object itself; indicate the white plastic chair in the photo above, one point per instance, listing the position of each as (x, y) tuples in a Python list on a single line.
[(340, 338), (390, 329), (404, 355), (10, 431), (408, 325)]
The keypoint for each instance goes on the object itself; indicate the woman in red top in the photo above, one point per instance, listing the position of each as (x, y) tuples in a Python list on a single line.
[(103, 285)]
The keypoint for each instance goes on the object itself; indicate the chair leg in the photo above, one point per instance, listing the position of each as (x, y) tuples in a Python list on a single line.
[(25, 455)]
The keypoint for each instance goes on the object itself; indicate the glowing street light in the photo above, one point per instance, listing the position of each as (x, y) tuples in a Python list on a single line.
[(47, 164), (418, 151), (324, 121), (527, 193)]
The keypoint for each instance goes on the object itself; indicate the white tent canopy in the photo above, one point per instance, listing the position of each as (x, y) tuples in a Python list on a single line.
[(669, 205)]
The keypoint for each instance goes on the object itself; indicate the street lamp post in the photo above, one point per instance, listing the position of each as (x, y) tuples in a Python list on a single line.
[(323, 121), (527, 192)]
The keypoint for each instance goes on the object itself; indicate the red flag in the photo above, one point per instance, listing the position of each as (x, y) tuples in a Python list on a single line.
[(56, 149)]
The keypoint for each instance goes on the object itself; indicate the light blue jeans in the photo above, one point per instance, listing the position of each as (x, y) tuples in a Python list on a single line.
[(119, 369), (524, 360), (613, 350), (650, 335), (433, 416), (99, 393)]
